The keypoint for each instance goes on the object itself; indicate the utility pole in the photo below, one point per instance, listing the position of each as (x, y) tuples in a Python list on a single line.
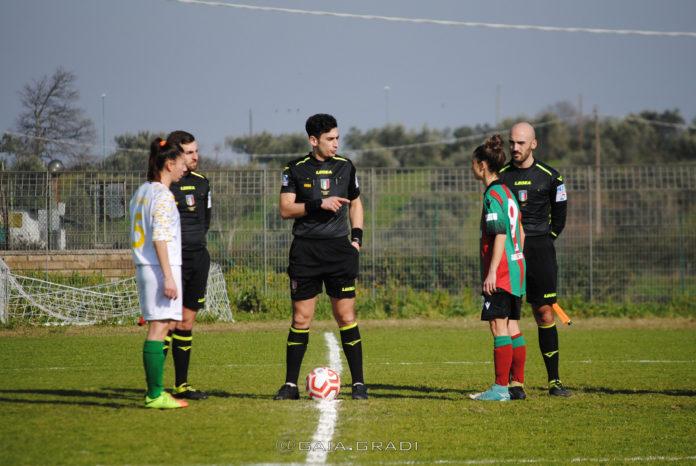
[(103, 97), (251, 124), (598, 183), (497, 105), (581, 129), (386, 103)]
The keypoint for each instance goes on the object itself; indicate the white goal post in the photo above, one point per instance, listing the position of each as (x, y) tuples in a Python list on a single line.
[(37, 301)]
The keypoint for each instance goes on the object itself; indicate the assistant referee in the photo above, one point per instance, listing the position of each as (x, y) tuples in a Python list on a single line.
[(321, 193), (542, 197)]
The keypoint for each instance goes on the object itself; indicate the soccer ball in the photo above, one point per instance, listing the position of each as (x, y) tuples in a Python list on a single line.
[(323, 384)]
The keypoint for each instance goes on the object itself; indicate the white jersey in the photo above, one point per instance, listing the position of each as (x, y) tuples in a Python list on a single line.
[(154, 217)]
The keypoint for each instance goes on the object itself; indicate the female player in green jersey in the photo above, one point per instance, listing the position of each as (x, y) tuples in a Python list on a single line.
[(502, 273)]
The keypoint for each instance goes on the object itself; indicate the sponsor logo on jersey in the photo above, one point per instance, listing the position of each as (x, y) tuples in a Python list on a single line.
[(491, 217), (523, 183), (307, 185), (188, 188), (517, 256), (561, 195), (357, 185), (522, 195), (285, 180), (324, 172)]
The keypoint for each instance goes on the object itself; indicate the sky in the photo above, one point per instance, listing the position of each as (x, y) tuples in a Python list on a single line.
[(167, 65)]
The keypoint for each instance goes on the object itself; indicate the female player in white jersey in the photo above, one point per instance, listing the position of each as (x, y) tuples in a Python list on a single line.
[(156, 246)]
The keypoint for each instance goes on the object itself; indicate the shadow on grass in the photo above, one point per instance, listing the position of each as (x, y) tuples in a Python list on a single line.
[(628, 391), (420, 392), (250, 396), (42, 397)]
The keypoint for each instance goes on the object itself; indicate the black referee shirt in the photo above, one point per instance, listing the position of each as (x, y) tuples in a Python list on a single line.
[(542, 196), (311, 179), (192, 195)]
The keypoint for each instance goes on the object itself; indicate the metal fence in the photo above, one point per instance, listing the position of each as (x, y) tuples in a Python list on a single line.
[(630, 234)]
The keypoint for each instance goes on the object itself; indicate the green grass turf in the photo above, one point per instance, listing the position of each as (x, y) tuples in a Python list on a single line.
[(74, 395)]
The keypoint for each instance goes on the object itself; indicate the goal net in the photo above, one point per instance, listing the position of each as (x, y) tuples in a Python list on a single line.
[(43, 302)]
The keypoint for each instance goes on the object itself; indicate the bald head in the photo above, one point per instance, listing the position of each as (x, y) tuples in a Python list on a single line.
[(523, 129), (522, 144)]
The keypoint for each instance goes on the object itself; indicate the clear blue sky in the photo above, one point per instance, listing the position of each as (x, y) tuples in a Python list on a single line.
[(166, 65)]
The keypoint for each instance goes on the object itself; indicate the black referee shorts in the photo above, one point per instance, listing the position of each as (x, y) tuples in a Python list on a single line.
[(501, 305), (542, 270), (333, 262), (194, 278)]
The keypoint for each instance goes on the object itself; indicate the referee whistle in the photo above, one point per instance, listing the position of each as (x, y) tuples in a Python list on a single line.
[(561, 314)]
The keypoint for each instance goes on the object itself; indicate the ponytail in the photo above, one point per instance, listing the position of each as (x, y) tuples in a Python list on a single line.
[(491, 152), (160, 152)]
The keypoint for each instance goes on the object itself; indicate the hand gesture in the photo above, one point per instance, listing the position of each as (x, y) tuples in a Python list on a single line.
[(333, 203)]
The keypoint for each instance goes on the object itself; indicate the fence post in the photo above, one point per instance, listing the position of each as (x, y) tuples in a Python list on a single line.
[(4, 290), (590, 214), (265, 234), (373, 214)]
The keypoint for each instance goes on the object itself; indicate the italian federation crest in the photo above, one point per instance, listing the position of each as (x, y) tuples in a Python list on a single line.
[(325, 185), (522, 195), (191, 202)]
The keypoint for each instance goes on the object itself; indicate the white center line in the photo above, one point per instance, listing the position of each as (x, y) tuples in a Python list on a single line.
[(328, 409)]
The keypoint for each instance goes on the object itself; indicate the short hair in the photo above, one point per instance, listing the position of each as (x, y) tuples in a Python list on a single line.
[(491, 152), (319, 124), (179, 137)]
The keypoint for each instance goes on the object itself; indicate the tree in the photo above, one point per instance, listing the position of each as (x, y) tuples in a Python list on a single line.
[(260, 145), (132, 153), (50, 124)]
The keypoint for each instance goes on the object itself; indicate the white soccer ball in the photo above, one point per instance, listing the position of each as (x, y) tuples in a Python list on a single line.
[(323, 384)]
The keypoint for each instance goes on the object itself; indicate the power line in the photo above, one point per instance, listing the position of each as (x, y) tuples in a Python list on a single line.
[(71, 142), (441, 22), (441, 142)]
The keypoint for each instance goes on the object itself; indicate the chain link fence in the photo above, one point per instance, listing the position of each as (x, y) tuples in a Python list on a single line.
[(630, 234)]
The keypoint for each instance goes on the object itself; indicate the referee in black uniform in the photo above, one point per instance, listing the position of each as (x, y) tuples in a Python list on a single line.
[(320, 191), (543, 202), (192, 195)]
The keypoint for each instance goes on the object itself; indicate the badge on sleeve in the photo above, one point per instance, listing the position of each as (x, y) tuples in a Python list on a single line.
[(285, 180), (561, 195)]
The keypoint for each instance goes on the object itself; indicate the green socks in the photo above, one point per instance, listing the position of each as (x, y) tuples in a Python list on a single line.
[(153, 361)]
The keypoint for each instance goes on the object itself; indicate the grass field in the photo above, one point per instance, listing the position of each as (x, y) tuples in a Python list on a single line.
[(74, 395)]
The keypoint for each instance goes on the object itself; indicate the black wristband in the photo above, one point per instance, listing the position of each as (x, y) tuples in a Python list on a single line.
[(313, 206), (356, 235)]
